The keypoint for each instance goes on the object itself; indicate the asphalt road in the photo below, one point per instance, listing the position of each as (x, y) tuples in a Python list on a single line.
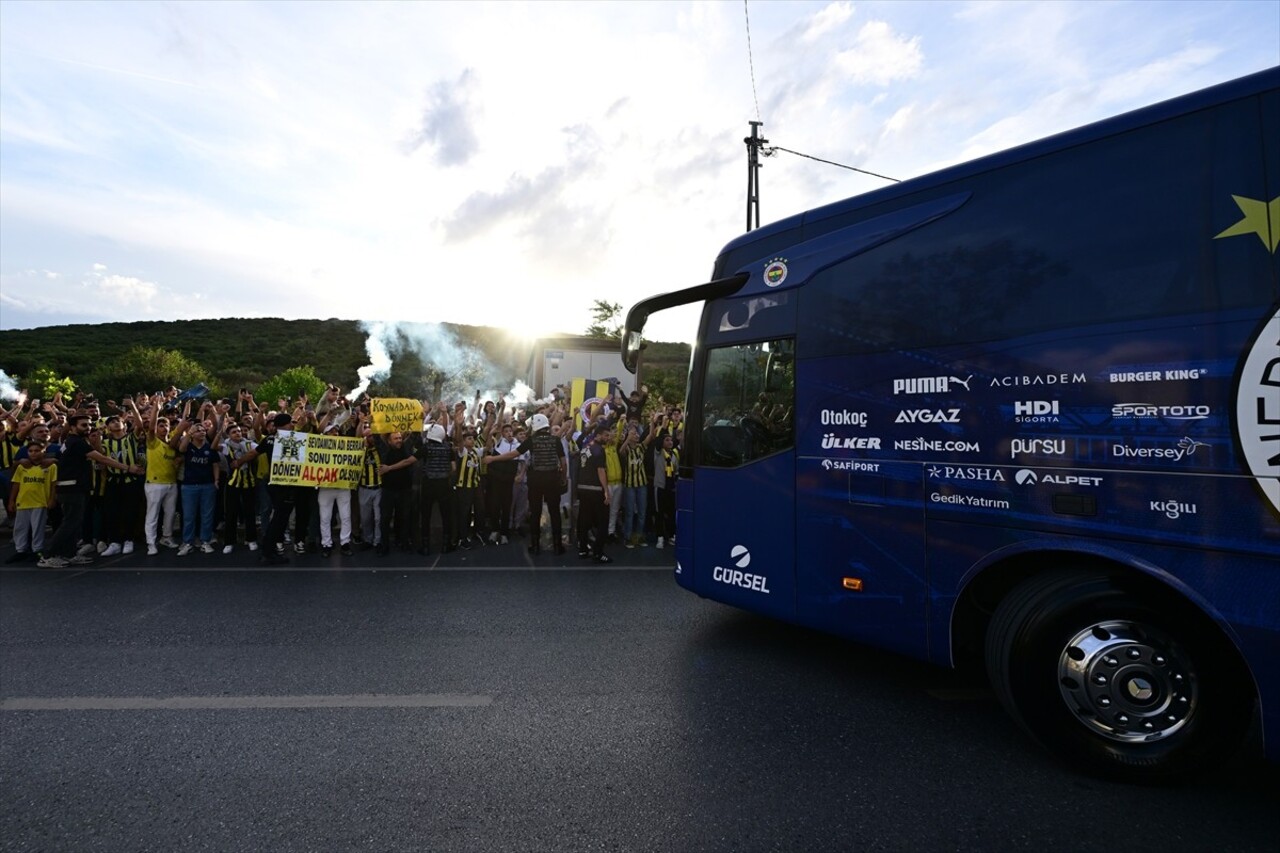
[(454, 705)]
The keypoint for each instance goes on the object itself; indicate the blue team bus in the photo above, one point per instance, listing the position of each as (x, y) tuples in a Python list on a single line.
[(1023, 413)]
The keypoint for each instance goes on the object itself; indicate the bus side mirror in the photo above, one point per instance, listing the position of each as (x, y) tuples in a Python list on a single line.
[(631, 350)]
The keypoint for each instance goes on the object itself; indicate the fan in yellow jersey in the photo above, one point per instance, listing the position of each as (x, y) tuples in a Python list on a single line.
[(31, 496)]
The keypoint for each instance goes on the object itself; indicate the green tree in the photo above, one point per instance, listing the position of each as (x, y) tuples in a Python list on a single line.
[(43, 384), (666, 385), (289, 383), (144, 369), (605, 322)]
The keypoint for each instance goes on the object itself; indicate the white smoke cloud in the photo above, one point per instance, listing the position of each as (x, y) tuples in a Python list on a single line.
[(379, 366), (465, 367), (8, 389)]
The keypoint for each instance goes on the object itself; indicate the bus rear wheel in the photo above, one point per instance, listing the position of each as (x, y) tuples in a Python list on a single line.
[(1121, 686)]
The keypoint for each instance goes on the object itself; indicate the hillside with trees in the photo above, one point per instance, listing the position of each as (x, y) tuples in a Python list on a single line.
[(113, 359)]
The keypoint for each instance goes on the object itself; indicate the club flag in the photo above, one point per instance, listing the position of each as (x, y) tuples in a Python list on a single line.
[(395, 414), (588, 396)]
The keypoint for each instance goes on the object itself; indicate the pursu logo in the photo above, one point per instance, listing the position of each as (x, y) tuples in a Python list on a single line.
[(930, 384), (1038, 447)]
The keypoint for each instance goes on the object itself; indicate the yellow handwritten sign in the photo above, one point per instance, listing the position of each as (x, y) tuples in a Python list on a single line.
[(326, 461), (395, 414)]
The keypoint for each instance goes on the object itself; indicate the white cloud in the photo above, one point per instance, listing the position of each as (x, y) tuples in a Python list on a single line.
[(829, 18), (880, 56)]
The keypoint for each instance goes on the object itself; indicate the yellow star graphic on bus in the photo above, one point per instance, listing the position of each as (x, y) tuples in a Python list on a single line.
[(1260, 217)]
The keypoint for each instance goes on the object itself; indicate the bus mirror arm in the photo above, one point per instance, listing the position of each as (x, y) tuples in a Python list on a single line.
[(639, 313)]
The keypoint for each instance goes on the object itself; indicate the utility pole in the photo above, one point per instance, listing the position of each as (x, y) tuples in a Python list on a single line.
[(754, 143)]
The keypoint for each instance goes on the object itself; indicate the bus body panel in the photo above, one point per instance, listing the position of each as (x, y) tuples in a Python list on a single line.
[(1071, 349)]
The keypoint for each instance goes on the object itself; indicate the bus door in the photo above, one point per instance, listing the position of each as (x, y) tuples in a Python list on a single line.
[(741, 513)]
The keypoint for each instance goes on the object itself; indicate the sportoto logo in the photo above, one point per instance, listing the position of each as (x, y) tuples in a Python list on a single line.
[(1258, 410)]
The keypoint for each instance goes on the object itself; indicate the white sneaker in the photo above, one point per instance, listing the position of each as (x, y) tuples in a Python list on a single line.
[(111, 550), (168, 542), (253, 546), (52, 562), (101, 546), (493, 537), (184, 549), (280, 549), (299, 547), (128, 547), (207, 547), (227, 549), (87, 549), (152, 550), (80, 560), (661, 542)]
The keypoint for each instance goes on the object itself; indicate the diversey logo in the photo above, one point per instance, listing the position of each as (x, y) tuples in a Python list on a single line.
[(1186, 447), (928, 416), (741, 558)]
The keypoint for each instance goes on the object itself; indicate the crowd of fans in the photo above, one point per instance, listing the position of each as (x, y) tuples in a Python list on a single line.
[(84, 479)]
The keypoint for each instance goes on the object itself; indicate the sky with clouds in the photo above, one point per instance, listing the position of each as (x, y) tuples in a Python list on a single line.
[(508, 163)]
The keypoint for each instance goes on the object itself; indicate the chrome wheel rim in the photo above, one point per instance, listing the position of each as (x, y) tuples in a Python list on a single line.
[(1127, 681)]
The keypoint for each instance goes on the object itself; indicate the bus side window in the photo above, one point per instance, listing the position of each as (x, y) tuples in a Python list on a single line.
[(748, 402)]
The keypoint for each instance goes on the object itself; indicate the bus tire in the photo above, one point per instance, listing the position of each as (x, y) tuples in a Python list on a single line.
[(1117, 684)]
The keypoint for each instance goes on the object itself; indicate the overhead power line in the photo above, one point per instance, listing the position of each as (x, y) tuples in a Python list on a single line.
[(769, 152), (751, 62)]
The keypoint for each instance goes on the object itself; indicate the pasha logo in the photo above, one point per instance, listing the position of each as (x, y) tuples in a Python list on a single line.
[(954, 472), (740, 557), (1258, 410)]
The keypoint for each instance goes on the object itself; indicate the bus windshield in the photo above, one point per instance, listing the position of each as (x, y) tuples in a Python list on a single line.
[(748, 402)]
